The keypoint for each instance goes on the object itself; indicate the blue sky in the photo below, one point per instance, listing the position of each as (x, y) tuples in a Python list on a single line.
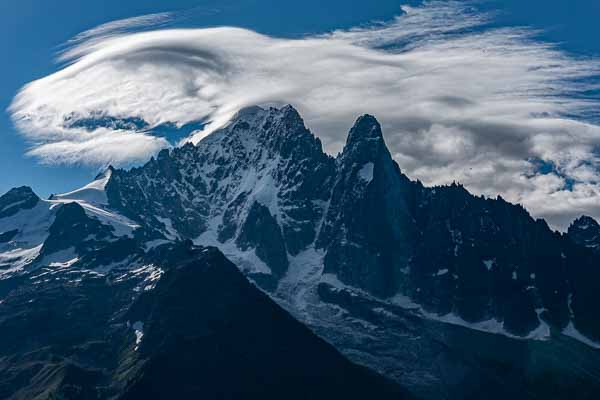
[(34, 30)]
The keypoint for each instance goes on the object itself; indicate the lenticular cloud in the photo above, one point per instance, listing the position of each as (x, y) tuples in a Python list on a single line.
[(490, 107)]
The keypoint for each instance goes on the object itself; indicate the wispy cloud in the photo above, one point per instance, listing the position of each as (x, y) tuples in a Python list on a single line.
[(85, 42), (493, 108)]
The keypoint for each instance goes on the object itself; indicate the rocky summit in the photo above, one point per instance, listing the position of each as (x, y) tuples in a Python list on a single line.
[(431, 290)]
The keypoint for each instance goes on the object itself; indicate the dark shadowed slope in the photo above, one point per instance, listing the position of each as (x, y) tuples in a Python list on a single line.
[(202, 332), (210, 334)]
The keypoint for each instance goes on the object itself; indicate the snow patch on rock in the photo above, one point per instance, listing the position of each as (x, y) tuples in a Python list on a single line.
[(366, 172), (92, 198), (138, 329), (246, 260), (302, 277), (542, 332), (92, 193), (18, 259), (572, 332), (489, 264)]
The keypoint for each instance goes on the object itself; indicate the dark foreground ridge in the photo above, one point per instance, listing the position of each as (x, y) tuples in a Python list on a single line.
[(203, 332), (210, 334)]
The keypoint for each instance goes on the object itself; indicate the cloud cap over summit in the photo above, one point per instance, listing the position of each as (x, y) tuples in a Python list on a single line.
[(457, 99)]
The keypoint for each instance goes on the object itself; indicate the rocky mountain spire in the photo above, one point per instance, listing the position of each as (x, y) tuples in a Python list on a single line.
[(585, 231), (365, 138), (367, 213)]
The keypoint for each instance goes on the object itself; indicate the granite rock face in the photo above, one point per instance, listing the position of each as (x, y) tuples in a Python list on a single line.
[(263, 185), (73, 228), (485, 258), (368, 232), (585, 231), (21, 198), (262, 158)]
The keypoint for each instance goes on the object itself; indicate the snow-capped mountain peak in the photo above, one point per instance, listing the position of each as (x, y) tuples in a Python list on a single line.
[(92, 193)]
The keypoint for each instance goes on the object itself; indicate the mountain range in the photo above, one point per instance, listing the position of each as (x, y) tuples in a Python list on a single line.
[(255, 265)]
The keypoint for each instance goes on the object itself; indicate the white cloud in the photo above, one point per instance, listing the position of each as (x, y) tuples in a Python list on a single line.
[(457, 100), (113, 29), (101, 147)]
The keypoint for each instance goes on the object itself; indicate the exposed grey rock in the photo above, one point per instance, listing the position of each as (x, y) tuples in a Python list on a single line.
[(21, 198), (585, 231), (368, 231)]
